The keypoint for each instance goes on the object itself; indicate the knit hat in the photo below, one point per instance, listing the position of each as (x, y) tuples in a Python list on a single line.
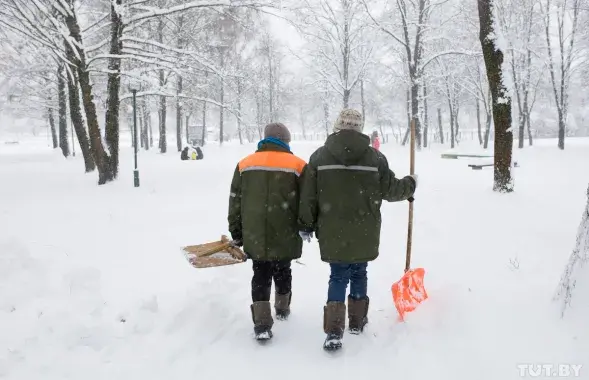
[(278, 131), (348, 119)]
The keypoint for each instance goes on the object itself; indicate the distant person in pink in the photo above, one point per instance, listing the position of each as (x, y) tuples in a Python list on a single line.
[(375, 140)]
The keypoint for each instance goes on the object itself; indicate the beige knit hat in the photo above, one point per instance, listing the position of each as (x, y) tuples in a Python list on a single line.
[(348, 119)]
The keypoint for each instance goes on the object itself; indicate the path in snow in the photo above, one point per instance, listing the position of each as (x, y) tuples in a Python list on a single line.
[(111, 296)]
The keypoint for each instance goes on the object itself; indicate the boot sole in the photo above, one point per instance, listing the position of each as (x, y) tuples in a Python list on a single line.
[(331, 346), (282, 316), (264, 337)]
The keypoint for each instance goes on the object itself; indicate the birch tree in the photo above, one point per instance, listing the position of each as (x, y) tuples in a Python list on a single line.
[(561, 56)]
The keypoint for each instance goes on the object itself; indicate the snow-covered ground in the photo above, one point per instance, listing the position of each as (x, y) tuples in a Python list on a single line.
[(93, 284)]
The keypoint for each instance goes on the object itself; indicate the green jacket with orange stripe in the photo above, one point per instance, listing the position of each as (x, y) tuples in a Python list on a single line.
[(264, 203), (343, 187)]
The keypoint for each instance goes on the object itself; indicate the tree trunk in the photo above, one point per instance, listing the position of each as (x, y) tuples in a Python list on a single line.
[(270, 85), (326, 117), (51, 119), (142, 129), (561, 129), (179, 116), (440, 127), (62, 101), (163, 144), (521, 130), (302, 114), (363, 101), (259, 115), (204, 122), (479, 126), (221, 101), (501, 100), (146, 124), (113, 86), (426, 118), (415, 113), (186, 124), (150, 126), (101, 158), (73, 141), (239, 94), (529, 127), (488, 130), (346, 98), (78, 122), (457, 132), (406, 137), (179, 89), (452, 130)]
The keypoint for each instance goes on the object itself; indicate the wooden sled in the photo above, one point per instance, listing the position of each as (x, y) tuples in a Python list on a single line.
[(215, 254)]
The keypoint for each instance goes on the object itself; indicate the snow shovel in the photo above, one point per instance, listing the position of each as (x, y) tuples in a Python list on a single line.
[(215, 254), (409, 291)]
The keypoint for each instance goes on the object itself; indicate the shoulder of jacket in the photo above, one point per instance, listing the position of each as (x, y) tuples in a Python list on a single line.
[(316, 155), (246, 159)]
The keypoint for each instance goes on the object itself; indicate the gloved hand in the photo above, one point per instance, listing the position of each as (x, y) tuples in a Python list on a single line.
[(237, 243), (306, 236), (237, 240), (410, 199), (414, 176)]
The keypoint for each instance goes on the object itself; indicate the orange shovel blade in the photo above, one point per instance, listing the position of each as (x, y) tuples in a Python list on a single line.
[(409, 291)]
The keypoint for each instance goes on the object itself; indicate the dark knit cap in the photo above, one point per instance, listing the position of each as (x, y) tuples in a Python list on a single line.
[(278, 131)]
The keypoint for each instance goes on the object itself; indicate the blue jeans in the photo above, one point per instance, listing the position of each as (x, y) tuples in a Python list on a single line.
[(341, 274)]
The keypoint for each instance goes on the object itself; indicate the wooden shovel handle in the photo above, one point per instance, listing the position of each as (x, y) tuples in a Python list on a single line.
[(218, 248), (410, 224)]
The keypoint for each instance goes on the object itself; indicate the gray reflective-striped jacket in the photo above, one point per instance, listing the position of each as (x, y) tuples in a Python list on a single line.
[(342, 189)]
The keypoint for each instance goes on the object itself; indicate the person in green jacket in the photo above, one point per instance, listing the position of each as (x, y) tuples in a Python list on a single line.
[(263, 218), (343, 187)]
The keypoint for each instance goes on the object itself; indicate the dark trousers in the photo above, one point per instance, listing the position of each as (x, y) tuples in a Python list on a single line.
[(341, 275), (264, 272)]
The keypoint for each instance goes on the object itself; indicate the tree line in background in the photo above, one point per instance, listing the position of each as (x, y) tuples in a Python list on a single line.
[(225, 65)]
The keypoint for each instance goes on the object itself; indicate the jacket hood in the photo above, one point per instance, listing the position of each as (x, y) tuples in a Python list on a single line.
[(347, 146)]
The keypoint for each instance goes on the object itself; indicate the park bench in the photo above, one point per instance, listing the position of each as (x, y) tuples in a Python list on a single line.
[(455, 156), (481, 166)]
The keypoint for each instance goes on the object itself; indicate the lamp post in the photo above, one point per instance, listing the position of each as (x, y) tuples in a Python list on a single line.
[(136, 171)]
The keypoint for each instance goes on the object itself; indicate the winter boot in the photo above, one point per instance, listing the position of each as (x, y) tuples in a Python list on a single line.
[(282, 305), (262, 318), (357, 314), (334, 324)]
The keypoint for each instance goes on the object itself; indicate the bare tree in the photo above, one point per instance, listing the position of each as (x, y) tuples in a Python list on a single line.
[(501, 101), (560, 60), (519, 22), (577, 265), (412, 31), (334, 30)]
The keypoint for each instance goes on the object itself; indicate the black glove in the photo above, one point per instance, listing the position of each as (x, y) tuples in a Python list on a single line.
[(237, 239), (410, 199)]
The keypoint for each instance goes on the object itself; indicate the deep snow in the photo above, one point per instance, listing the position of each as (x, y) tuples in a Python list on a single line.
[(93, 284)]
